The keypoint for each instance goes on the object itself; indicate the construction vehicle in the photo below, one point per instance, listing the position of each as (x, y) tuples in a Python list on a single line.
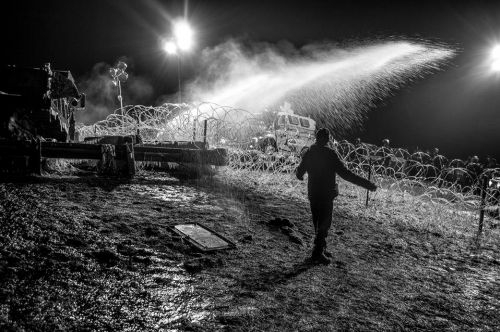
[(37, 123), (38, 103)]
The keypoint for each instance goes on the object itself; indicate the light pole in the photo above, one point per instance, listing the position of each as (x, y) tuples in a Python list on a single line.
[(119, 75), (182, 41)]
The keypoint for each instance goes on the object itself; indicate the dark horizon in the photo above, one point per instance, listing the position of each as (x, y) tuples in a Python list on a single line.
[(455, 109)]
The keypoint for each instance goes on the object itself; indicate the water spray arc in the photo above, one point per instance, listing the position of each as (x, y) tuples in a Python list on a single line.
[(335, 86)]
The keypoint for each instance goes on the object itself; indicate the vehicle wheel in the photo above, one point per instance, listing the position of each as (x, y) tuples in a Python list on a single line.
[(269, 149), (269, 146)]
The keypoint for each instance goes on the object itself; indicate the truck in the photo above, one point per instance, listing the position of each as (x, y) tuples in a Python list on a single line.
[(289, 132)]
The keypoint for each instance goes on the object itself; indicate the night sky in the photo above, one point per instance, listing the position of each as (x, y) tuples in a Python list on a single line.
[(457, 109)]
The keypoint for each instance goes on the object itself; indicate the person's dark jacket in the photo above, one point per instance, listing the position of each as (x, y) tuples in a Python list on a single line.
[(322, 164)]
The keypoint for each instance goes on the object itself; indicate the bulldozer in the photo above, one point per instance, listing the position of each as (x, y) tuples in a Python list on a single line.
[(38, 103), (37, 123)]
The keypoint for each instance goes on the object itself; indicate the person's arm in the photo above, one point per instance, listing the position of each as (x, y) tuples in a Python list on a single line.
[(347, 175), (302, 169)]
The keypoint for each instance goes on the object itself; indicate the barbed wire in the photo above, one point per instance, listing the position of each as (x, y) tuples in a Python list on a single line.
[(182, 122), (430, 177)]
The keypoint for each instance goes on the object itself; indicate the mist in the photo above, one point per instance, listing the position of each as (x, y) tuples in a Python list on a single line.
[(336, 85), (102, 94)]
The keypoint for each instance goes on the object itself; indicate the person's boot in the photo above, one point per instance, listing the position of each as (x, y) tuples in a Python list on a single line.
[(318, 257)]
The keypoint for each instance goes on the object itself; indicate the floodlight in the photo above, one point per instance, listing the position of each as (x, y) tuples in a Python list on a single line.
[(170, 47), (182, 41), (183, 35), (495, 57), (495, 65), (495, 52)]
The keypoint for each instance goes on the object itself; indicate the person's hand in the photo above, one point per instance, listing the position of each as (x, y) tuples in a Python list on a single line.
[(372, 186)]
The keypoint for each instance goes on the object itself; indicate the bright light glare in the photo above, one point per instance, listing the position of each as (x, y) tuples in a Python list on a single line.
[(170, 47), (495, 53), (495, 65), (183, 35)]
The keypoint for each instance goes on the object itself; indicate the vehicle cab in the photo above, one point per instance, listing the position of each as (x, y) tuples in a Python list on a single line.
[(293, 132)]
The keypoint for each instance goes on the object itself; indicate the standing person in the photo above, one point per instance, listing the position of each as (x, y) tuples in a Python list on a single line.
[(322, 164)]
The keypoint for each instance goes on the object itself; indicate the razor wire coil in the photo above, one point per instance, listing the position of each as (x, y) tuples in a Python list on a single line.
[(429, 176)]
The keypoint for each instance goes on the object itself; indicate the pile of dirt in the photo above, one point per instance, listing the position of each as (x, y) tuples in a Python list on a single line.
[(288, 228)]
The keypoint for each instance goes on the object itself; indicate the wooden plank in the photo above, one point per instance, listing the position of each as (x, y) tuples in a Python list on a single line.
[(71, 150), (163, 157), (157, 149), (36, 158), (216, 157), (128, 158), (115, 140), (61, 150), (197, 145)]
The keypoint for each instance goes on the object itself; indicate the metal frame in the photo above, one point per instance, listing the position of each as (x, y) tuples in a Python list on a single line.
[(199, 246)]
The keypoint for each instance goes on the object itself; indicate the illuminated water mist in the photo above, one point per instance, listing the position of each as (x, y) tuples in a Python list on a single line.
[(334, 86)]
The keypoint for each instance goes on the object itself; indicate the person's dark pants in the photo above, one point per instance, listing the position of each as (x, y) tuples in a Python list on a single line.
[(321, 210)]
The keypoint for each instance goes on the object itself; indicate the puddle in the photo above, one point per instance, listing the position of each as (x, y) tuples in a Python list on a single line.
[(181, 196)]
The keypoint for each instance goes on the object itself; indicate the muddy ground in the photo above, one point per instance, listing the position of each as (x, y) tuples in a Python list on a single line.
[(86, 253)]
